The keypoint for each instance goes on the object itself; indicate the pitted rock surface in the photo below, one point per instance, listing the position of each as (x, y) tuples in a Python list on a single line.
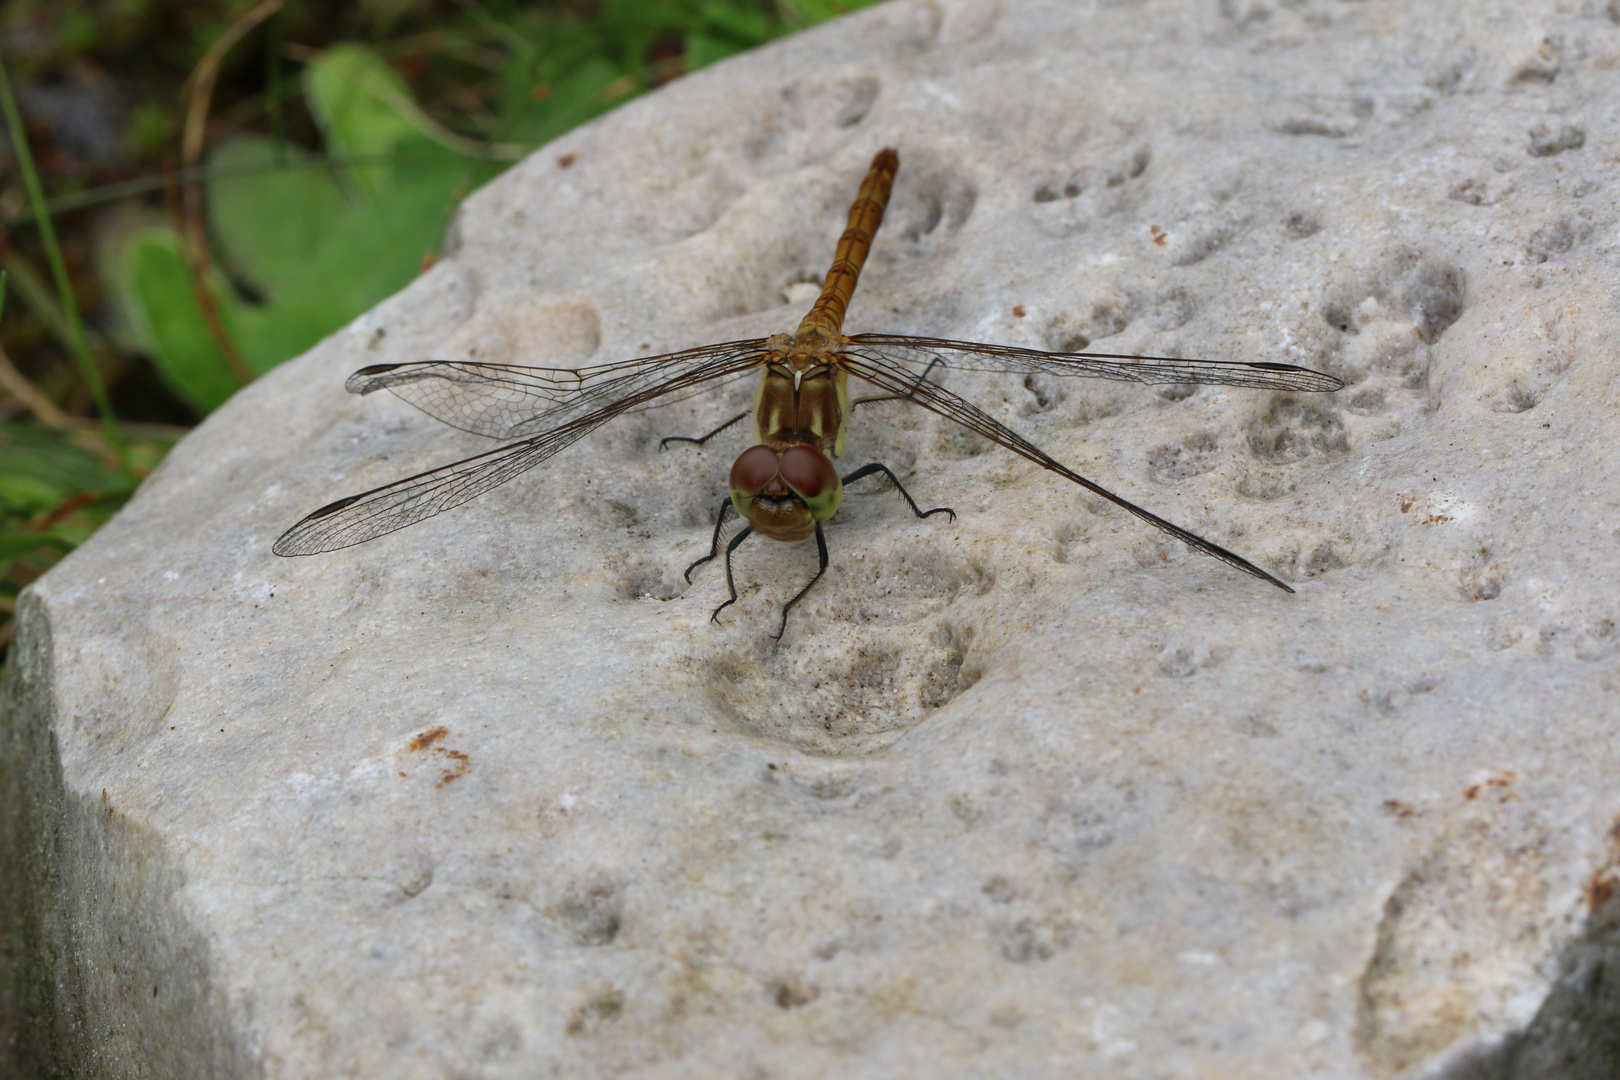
[(1034, 794)]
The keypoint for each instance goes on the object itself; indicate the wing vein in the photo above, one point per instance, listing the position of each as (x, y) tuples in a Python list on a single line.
[(896, 380), (363, 517), (970, 356)]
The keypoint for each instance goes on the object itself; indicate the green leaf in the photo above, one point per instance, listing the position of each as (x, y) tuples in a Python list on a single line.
[(272, 221), (704, 49), (40, 468), (169, 322), (318, 258), (357, 100), (810, 12), (28, 495), (371, 252), (576, 94), (13, 544), (744, 26)]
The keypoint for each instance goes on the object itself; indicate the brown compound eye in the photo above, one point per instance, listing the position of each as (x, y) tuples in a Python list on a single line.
[(808, 472), (753, 469)]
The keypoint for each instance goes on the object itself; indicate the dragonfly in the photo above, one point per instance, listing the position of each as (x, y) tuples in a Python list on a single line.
[(784, 486)]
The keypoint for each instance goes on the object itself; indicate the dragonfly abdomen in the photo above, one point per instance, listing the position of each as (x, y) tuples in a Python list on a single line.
[(827, 314)]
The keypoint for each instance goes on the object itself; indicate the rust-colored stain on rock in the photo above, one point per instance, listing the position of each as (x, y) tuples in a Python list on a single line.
[(460, 765), (429, 737), (460, 762), (1600, 890), (1473, 791)]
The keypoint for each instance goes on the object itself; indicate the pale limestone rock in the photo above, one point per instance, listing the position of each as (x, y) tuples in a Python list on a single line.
[(1035, 794)]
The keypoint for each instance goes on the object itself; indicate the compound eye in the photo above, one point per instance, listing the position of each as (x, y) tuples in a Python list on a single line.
[(809, 473), (753, 469)]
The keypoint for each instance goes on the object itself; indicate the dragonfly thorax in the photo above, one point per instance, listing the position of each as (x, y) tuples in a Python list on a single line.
[(784, 493), (803, 396)]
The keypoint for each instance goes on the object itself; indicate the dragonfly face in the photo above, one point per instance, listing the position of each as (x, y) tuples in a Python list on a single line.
[(784, 494)]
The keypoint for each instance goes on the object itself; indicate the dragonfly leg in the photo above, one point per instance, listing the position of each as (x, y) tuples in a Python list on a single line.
[(821, 552), (726, 510), (883, 470), (663, 444), (731, 584), (929, 370)]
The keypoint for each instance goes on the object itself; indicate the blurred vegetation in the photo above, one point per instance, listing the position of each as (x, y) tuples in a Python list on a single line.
[(214, 186)]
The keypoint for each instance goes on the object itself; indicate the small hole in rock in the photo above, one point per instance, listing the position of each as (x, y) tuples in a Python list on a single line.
[(926, 222), (1323, 559), (1545, 142), (862, 97), (1552, 240), (791, 994), (1517, 399), (1293, 430), (1301, 225)]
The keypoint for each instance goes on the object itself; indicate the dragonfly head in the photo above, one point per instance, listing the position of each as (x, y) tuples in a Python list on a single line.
[(784, 493)]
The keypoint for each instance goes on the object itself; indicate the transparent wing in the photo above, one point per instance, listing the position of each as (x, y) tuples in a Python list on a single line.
[(508, 401), (897, 380), (363, 517), (969, 356)]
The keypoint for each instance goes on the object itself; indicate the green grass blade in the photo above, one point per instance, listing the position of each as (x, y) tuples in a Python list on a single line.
[(64, 285)]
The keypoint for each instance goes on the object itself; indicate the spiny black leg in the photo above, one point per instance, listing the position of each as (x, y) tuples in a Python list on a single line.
[(927, 371), (726, 509), (821, 550), (730, 584), (663, 444), (883, 470)]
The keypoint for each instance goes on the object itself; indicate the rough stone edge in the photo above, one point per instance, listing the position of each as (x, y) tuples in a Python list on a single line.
[(1576, 1033), (102, 973)]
